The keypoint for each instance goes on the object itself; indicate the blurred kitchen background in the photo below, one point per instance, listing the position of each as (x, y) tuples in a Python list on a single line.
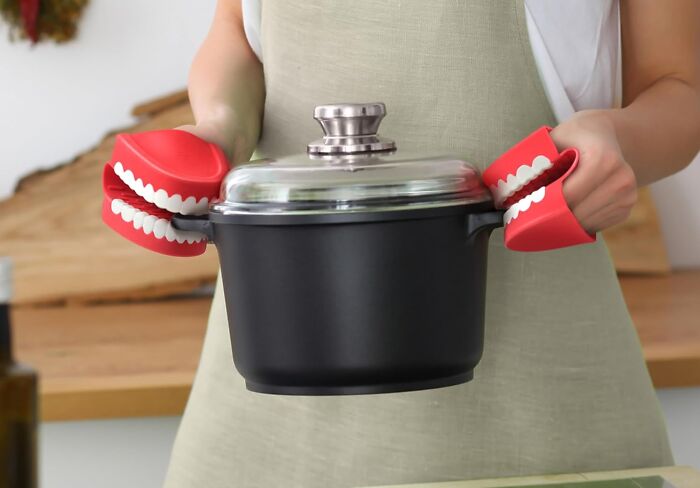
[(115, 331)]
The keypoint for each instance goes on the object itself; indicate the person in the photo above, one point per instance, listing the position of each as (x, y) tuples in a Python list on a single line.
[(562, 386)]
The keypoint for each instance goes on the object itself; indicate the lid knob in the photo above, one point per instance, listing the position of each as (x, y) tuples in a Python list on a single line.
[(350, 128)]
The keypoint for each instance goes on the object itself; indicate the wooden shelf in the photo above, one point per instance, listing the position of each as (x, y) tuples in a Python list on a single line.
[(666, 312), (139, 359), (127, 360)]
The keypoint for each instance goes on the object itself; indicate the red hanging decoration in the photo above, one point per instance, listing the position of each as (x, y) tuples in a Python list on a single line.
[(42, 20), (29, 10)]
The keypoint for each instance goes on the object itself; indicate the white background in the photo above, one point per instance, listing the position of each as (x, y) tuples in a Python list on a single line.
[(58, 101)]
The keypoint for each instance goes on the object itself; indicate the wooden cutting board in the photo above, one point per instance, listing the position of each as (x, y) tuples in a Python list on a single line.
[(63, 252)]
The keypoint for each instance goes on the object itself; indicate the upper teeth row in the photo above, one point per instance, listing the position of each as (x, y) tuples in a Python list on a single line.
[(160, 198), (523, 204), (524, 175), (149, 223)]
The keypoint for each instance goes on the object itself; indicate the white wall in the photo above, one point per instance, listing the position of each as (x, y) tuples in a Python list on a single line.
[(681, 407), (678, 206), (118, 453), (56, 101)]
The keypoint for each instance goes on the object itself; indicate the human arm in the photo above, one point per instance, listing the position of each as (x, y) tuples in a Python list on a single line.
[(656, 132), (226, 86)]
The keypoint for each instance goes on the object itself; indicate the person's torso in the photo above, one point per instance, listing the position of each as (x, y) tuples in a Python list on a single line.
[(561, 386), (456, 77), (575, 44)]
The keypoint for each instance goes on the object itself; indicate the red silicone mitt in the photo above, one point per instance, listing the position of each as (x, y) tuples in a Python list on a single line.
[(527, 181), (153, 175)]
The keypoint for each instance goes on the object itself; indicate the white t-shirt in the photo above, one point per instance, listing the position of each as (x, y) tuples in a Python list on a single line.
[(575, 44)]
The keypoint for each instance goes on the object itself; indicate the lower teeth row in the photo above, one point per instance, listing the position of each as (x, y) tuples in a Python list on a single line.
[(151, 224)]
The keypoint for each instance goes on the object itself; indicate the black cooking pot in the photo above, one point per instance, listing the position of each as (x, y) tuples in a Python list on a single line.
[(350, 269)]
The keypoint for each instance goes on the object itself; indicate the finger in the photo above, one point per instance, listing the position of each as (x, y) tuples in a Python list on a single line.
[(605, 219), (597, 219), (597, 223), (593, 219), (614, 212), (619, 191), (587, 176), (599, 199)]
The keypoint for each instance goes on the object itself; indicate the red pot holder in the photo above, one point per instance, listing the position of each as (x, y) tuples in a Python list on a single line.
[(152, 176), (527, 181)]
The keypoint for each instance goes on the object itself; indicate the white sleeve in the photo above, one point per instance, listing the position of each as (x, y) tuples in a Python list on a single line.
[(251, 24), (553, 85), (576, 48)]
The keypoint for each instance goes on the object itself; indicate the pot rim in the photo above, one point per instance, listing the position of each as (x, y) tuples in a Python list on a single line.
[(388, 214)]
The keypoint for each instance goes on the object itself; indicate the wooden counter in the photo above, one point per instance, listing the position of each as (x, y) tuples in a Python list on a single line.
[(139, 359), (680, 476), (666, 312), (105, 361)]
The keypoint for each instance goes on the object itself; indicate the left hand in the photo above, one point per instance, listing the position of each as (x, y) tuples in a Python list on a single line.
[(603, 188)]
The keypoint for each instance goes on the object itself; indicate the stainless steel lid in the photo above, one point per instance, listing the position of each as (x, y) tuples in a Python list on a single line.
[(351, 169)]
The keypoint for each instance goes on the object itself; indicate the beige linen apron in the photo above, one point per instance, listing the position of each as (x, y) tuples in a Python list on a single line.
[(562, 386)]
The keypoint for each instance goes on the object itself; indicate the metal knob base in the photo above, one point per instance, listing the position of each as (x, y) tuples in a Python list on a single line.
[(350, 128)]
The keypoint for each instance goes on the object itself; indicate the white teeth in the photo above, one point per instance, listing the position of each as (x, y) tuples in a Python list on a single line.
[(523, 204), (128, 178), (150, 223), (128, 214), (174, 203), (148, 193), (117, 206), (512, 180), (170, 233), (189, 206), (202, 206), (138, 219), (511, 213), (541, 163), (524, 175), (182, 235), (159, 228), (160, 198), (538, 195), (500, 190)]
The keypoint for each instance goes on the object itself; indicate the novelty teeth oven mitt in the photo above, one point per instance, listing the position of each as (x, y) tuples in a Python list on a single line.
[(154, 175), (527, 181)]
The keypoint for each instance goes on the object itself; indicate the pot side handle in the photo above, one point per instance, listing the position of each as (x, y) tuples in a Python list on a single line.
[(483, 222), (194, 223)]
